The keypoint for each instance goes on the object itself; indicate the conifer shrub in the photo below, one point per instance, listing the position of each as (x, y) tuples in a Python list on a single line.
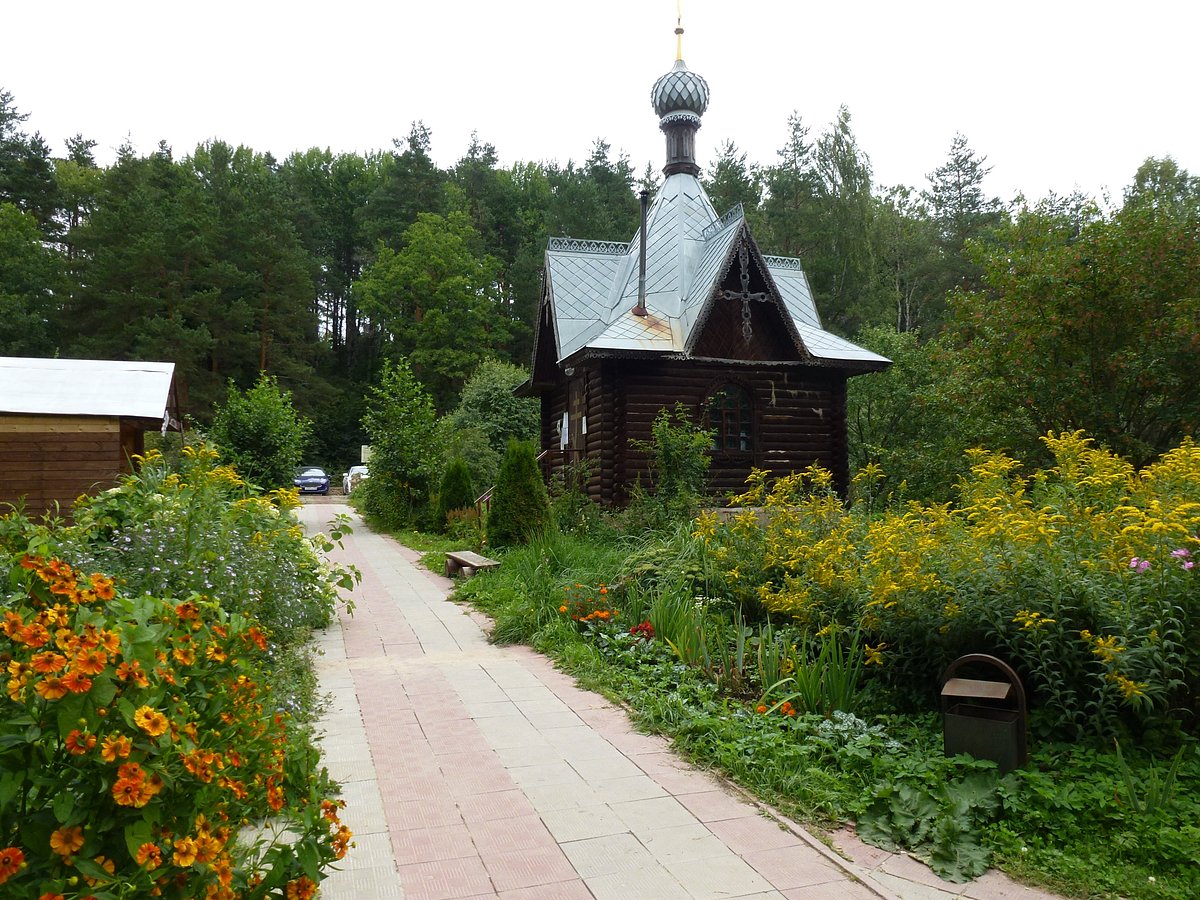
[(456, 491), (520, 507)]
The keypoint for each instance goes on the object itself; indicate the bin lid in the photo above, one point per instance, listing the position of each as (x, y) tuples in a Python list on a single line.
[(984, 690)]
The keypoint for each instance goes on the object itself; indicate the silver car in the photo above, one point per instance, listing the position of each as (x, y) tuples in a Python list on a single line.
[(351, 479)]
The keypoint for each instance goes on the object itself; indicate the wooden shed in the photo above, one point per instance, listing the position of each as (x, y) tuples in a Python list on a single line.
[(70, 426), (689, 311)]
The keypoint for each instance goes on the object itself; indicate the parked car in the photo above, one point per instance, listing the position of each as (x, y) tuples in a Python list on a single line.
[(351, 479), (311, 480)]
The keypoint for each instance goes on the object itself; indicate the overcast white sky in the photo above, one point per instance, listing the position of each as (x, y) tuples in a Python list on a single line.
[(1056, 93)]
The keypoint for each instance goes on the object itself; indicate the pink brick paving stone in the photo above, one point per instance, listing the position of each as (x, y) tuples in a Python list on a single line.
[(787, 868), (406, 814), (713, 806), (904, 866), (846, 890), (528, 868), (495, 837), (562, 890), (445, 879), (500, 805), (994, 886), (751, 833), (860, 852), (430, 844)]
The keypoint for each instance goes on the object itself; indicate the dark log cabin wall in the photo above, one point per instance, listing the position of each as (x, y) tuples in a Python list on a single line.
[(798, 418)]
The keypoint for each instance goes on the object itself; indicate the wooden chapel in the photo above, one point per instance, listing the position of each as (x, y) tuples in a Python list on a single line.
[(689, 311)]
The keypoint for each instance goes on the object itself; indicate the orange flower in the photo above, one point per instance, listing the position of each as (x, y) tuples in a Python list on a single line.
[(66, 840), (132, 771), (50, 895), (274, 795), (91, 662), (102, 586), (76, 683), (185, 656), (301, 889), (48, 661), (260, 640), (127, 792), (33, 635), (341, 841), (214, 653), (11, 861), (150, 720), (110, 642), (148, 855), (132, 671), (52, 688), (115, 747), (185, 852), (13, 623), (80, 742), (761, 708)]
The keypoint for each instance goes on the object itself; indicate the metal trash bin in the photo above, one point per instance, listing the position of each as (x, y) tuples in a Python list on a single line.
[(986, 719)]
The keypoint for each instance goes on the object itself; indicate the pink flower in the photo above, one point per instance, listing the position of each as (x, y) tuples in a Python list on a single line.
[(1140, 564), (1181, 553)]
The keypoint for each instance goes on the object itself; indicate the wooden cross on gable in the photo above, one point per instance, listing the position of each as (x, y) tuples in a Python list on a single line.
[(745, 294)]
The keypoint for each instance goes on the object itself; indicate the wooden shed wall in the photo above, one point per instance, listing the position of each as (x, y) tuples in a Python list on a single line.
[(53, 459), (798, 418)]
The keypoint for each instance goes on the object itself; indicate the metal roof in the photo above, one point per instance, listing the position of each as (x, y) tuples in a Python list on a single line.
[(592, 286), (85, 387)]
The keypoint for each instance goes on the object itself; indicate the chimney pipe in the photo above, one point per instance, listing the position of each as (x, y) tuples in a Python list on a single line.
[(640, 309)]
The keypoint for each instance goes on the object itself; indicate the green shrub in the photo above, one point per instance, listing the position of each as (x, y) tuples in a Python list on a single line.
[(456, 491), (680, 454), (520, 508), (401, 423), (203, 530), (260, 433), (488, 403)]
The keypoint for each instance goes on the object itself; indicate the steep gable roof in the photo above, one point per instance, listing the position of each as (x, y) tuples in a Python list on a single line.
[(592, 286)]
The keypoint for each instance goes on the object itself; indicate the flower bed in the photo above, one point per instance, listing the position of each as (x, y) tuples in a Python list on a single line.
[(140, 730)]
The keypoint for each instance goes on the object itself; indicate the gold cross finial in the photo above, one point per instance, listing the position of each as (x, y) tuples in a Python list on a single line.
[(679, 29)]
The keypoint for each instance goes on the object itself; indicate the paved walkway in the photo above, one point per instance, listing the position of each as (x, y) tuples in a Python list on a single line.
[(471, 770)]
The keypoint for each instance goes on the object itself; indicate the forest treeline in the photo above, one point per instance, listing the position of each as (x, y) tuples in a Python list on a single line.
[(1005, 320)]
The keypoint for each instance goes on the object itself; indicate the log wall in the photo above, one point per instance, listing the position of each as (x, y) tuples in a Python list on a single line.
[(798, 418)]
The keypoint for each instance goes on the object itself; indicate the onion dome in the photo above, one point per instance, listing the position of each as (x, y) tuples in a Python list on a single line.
[(680, 96)]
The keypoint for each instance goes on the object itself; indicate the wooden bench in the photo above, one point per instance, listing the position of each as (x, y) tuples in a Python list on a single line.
[(467, 563)]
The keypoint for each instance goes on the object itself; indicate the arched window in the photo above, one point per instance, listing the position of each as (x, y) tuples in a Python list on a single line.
[(729, 415)]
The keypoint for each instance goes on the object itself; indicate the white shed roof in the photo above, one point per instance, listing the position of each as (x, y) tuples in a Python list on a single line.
[(85, 387)]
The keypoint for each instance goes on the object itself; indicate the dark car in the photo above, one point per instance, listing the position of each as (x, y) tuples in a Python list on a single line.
[(311, 480)]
